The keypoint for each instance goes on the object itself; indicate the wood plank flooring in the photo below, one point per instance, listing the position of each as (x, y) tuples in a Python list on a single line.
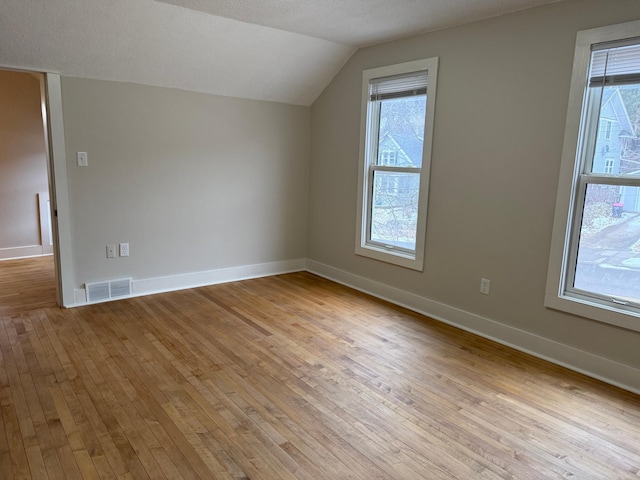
[(27, 284), (292, 377)]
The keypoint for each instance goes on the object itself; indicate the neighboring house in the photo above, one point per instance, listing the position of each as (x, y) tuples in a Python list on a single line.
[(614, 125), (401, 151), (616, 152)]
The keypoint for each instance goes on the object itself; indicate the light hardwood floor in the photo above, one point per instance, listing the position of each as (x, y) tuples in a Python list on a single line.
[(27, 284), (292, 377)]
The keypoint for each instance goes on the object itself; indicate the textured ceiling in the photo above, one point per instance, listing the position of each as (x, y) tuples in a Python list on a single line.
[(143, 41), (358, 22), (277, 50)]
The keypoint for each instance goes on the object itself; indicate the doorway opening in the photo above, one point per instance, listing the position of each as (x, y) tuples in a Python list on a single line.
[(28, 267)]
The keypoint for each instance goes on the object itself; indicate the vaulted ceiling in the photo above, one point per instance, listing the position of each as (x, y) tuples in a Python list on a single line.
[(276, 50)]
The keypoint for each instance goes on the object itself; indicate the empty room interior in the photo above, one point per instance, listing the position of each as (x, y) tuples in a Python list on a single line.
[(320, 240)]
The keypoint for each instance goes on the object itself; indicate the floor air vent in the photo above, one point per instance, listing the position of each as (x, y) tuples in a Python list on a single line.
[(101, 291)]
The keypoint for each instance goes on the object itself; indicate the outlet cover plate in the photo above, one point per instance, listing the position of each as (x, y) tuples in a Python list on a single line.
[(83, 159)]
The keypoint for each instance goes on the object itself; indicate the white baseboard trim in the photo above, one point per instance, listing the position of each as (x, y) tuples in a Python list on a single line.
[(170, 283), (13, 253), (609, 371)]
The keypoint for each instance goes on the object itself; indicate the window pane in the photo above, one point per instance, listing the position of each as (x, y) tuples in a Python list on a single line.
[(394, 209), (402, 130), (617, 151), (609, 247)]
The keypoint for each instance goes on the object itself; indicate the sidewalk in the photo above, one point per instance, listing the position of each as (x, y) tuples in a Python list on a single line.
[(606, 262), (611, 247)]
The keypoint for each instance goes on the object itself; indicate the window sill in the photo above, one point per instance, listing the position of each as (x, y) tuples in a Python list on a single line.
[(612, 315), (390, 256)]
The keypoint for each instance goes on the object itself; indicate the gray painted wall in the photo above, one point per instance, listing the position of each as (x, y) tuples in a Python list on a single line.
[(23, 161), (502, 97), (193, 182)]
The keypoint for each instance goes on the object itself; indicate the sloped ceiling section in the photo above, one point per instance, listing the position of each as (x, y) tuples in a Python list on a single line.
[(358, 22), (153, 43), (278, 50)]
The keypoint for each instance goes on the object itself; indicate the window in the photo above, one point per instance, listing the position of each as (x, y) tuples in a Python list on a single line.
[(607, 126), (396, 133), (594, 268), (608, 165), (388, 157)]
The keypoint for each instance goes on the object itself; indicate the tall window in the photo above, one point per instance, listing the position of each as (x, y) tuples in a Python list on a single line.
[(397, 123), (595, 265)]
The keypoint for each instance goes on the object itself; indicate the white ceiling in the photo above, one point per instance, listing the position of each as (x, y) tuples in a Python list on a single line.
[(276, 50), (358, 22)]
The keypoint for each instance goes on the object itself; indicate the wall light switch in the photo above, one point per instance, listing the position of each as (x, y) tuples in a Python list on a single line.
[(124, 249), (485, 286), (83, 159)]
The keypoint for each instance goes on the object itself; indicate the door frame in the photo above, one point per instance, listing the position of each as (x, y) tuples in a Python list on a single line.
[(58, 188)]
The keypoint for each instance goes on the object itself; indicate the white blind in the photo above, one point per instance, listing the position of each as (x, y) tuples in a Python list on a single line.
[(396, 86), (615, 65)]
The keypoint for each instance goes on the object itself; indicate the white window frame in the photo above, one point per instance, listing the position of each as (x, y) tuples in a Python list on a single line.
[(409, 259), (563, 239)]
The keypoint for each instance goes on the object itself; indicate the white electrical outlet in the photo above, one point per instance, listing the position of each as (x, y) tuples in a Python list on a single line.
[(124, 249), (82, 158), (485, 286), (111, 251)]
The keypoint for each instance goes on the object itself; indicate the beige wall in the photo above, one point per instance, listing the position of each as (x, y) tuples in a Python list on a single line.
[(502, 98), (23, 162), (193, 182)]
